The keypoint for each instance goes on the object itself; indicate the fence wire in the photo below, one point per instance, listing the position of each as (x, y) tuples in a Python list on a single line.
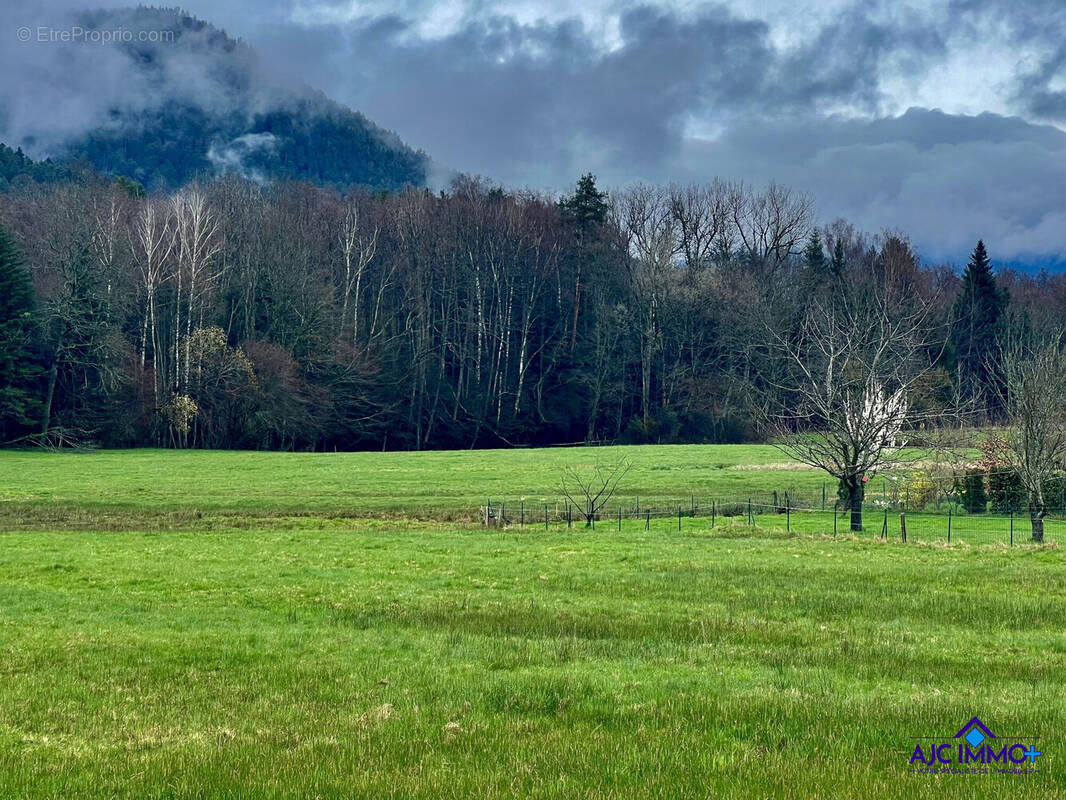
[(950, 524)]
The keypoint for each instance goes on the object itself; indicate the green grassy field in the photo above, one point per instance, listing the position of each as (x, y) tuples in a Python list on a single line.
[(149, 486), (307, 653)]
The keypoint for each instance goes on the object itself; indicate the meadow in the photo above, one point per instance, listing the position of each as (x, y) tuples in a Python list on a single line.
[(156, 487), (305, 652)]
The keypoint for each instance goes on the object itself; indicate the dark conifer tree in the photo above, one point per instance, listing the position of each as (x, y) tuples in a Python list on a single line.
[(18, 371), (977, 322), (587, 206), (813, 253)]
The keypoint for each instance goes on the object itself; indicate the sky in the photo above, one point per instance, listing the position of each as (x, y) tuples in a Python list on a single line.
[(944, 119)]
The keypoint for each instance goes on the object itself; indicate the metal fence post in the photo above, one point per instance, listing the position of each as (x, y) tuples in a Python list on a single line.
[(569, 518), (647, 520), (788, 515), (1012, 529), (679, 519), (903, 526), (522, 517), (949, 526), (619, 518), (751, 520)]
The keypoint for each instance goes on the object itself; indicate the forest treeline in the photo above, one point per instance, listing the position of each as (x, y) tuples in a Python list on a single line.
[(232, 315)]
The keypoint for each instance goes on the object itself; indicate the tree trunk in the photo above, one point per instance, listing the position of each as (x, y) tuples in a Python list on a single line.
[(1036, 517), (46, 419), (854, 502), (577, 309)]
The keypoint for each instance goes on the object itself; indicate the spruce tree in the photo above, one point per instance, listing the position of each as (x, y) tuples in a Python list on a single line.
[(587, 206), (813, 254), (976, 325), (18, 372)]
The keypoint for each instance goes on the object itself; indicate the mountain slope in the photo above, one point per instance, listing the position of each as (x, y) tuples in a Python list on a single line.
[(166, 112)]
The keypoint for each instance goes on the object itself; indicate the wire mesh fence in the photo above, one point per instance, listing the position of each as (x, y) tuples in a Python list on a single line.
[(780, 514)]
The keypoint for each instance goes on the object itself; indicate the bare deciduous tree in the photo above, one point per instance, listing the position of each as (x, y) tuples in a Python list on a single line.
[(644, 216), (590, 492), (358, 247), (771, 225), (152, 242), (199, 241), (700, 214), (1035, 441), (852, 365)]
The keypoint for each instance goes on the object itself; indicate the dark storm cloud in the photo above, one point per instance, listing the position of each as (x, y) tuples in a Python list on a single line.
[(845, 60), (531, 103), (537, 103), (1036, 92), (944, 179), (1037, 30)]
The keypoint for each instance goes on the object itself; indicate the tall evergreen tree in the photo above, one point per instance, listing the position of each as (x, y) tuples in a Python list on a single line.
[(18, 372), (813, 254), (587, 206), (977, 322), (587, 209)]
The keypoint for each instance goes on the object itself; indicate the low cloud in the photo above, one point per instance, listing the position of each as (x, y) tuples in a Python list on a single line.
[(232, 156)]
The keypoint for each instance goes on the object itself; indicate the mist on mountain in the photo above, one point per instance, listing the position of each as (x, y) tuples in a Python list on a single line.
[(170, 99)]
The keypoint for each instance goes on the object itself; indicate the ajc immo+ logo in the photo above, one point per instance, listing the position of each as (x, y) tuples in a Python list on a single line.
[(975, 750)]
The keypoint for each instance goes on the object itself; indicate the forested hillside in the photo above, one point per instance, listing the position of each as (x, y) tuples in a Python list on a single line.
[(14, 164), (200, 104), (229, 314)]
